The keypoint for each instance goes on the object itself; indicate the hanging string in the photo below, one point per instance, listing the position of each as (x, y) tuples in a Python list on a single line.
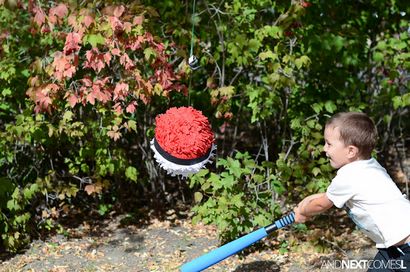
[(191, 52), (193, 61)]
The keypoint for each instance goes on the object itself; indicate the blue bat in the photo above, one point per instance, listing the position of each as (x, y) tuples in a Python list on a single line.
[(223, 252)]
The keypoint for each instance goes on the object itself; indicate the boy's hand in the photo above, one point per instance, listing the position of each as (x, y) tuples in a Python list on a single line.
[(310, 206), (300, 218)]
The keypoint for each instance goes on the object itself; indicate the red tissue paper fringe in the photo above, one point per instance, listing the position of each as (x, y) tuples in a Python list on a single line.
[(184, 133)]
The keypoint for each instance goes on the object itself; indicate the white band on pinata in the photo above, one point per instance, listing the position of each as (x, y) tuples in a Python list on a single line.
[(175, 169)]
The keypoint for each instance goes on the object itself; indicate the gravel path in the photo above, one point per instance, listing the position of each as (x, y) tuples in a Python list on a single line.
[(159, 246)]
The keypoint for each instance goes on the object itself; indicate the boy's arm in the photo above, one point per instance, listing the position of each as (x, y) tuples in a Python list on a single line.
[(312, 205)]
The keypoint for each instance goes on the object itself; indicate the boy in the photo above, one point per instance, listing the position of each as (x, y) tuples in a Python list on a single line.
[(364, 189)]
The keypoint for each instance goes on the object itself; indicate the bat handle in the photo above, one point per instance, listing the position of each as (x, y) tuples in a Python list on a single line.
[(233, 247), (283, 222)]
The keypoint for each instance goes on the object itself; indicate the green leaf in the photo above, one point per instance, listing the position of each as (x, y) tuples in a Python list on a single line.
[(148, 52), (277, 185), (68, 116), (311, 123), (378, 57), (401, 101), (228, 181), (25, 73), (198, 197), (268, 54), (317, 107), (338, 42), (382, 45), (13, 205), (330, 106), (227, 91), (273, 31), (215, 181), (202, 173), (94, 39), (131, 173), (29, 192), (254, 45), (302, 61), (261, 220), (406, 100), (397, 102), (6, 92), (132, 125), (316, 171), (237, 200)]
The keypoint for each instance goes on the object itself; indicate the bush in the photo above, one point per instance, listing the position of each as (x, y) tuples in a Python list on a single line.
[(93, 92), (240, 197)]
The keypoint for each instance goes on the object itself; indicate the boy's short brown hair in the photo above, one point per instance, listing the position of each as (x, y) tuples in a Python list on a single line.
[(356, 129)]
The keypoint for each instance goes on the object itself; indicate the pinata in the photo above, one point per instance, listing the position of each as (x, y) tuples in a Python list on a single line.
[(183, 142)]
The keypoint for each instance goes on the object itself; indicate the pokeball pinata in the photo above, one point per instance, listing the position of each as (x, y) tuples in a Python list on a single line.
[(183, 142)]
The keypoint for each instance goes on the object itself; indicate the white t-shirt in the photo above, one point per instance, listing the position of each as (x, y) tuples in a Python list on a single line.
[(372, 200)]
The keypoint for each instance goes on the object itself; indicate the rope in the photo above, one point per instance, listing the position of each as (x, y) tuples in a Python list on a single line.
[(191, 52), (193, 28)]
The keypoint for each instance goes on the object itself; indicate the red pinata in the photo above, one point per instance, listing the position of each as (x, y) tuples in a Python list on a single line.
[(184, 141)]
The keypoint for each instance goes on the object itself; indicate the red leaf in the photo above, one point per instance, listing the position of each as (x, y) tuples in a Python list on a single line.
[(138, 20), (90, 189), (56, 13), (305, 4), (62, 66), (148, 37), (115, 52), (116, 24), (131, 107), (89, 54), (118, 108), (104, 96), (107, 58), (97, 91), (43, 99), (144, 99), (69, 71), (52, 19), (136, 43), (118, 11), (91, 98), (60, 11), (95, 60), (127, 27), (88, 20), (42, 96), (114, 134), (120, 91), (39, 17), (72, 43), (72, 20), (126, 62), (53, 87), (72, 100), (87, 82)]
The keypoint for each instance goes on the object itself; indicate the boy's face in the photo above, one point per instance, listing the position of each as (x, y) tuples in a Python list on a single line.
[(338, 153)]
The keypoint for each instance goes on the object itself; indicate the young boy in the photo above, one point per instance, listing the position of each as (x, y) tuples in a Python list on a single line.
[(364, 189)]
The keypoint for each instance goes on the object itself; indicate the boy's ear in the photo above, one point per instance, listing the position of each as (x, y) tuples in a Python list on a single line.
[(353, 151)]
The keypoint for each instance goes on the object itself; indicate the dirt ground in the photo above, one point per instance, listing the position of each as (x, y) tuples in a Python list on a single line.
[(164, 245)]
